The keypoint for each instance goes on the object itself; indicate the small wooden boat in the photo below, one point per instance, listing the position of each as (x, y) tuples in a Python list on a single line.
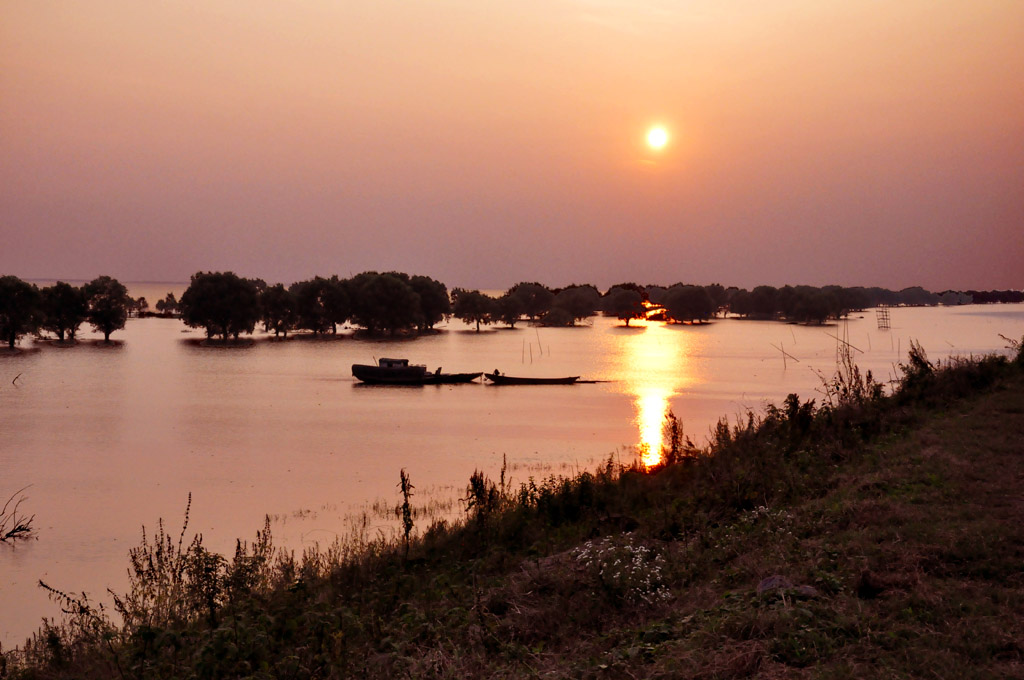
[(401, 372), (501, 379)]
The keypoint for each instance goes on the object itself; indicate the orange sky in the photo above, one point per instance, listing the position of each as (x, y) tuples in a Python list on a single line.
[(484, 143)]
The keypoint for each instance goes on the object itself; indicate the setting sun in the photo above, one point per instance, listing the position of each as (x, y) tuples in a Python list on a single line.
[(657, 137)]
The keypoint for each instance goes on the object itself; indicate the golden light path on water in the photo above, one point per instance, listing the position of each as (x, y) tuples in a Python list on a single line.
[(656, 364)]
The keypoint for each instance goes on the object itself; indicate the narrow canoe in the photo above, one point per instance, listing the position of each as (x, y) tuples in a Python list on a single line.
[(499, 379)]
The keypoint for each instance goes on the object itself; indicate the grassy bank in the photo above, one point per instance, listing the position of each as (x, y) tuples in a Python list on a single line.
[(871, 535)]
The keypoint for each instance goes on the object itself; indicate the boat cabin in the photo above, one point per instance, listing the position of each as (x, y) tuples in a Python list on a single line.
[(393, 363)]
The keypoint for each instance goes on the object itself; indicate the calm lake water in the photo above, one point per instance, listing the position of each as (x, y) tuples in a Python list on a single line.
[(113, 438)]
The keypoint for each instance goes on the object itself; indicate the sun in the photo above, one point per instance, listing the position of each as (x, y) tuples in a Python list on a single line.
[(657, 137)]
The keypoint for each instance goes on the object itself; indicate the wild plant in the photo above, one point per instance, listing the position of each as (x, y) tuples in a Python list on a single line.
[(1016, 347), (407, 525), (847, 387), (13, 525), (672, 435), (482, 497), (625, 569)]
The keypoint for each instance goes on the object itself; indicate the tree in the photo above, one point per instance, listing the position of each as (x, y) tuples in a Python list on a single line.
[(434, 302), (108, 305), (688, 303), (624, 304), (64, 309), (277, 306), (813, 306), (536, 298), (763, 301), (337, 301), (384, 302), (719, 297), (221, 302), (557, 316), (472, 306), (508, 309), (656, 294), (917, 296), (169, 305), (579, 301), (19, 309), (309, 306), (629, 285)]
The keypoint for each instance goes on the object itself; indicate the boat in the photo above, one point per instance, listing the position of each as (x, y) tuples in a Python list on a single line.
[(401, 372), (502, 379)]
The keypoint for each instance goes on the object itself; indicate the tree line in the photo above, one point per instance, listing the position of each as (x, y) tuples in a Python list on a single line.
[(62, 308), (226, 305)]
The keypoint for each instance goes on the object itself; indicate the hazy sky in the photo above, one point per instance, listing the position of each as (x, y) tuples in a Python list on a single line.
[(484, 142)]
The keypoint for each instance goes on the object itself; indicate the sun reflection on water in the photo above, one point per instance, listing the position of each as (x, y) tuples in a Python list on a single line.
[(656, 365), (651, 408)]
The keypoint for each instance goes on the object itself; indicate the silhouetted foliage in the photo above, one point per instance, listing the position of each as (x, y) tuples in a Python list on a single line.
[(629, 285), (814, 306), (108, 305), (136, 306), (169, 305), (277, 305), (384, 302), (656, 294), (64, 309), (917, 296), (221, 302), (337, 300), (688, 303), (509, 309), (310, 304), (558, 316), (624, 304), (472, 306), (536, 298), (984, 297), (19, 309), (764, 302), (579, 301), (719, 297), (434, 302)]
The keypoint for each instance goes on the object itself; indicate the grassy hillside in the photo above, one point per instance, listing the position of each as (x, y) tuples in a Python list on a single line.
[(868, 536)]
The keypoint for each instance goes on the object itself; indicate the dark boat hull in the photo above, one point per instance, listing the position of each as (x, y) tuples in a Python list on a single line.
[(450, 378), (499, 379), (410, 375)]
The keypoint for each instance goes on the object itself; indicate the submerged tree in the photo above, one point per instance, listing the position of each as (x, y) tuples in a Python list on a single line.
[(64, 308), (434, 302), (472, 306), (108, 305), (19, 309), (309, 304), (384, 302), (337, 301), (277, 306), (579, 302), (169, 305), (688, 303), (221, 302), (624, 304), (508, 309), (536, 298)]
